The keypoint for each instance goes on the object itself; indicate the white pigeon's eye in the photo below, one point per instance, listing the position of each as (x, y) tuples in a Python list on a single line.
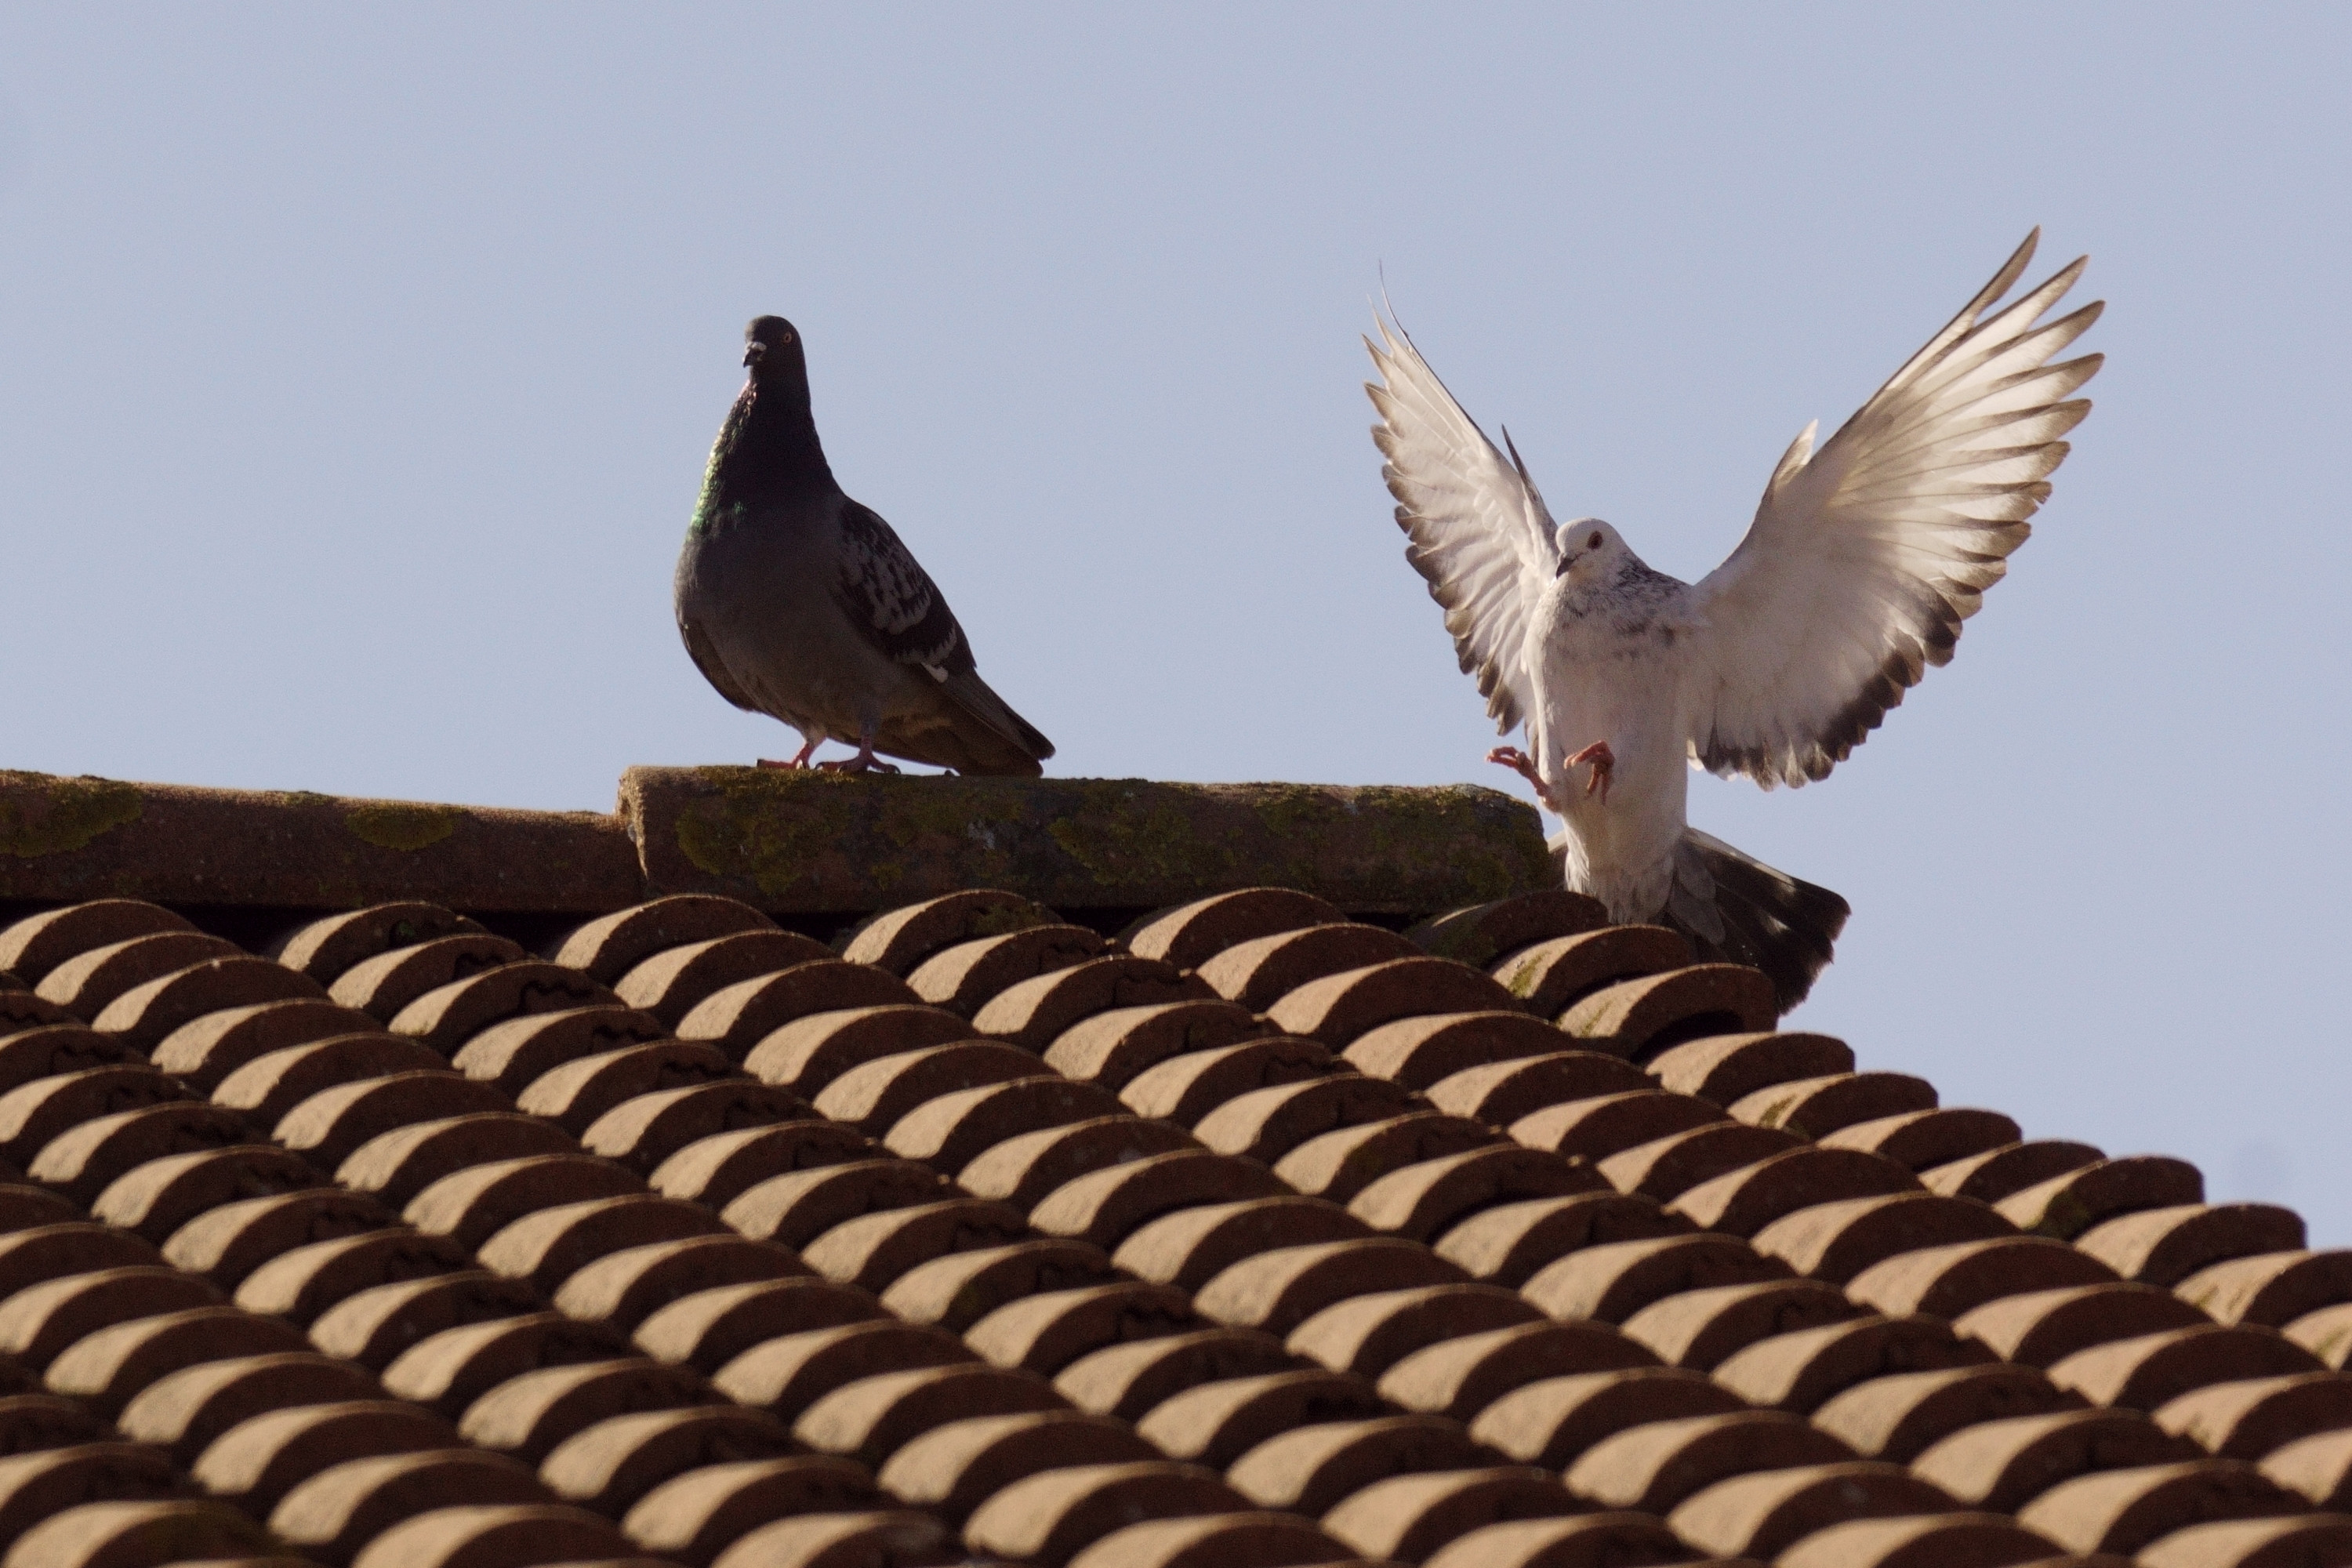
[(1593, 542)]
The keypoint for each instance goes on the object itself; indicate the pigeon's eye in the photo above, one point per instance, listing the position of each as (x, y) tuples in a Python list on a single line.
[(1593, 542)]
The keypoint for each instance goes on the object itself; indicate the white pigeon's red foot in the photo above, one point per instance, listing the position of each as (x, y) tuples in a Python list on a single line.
[(1519, 762), (865, 761), (1605, 768)]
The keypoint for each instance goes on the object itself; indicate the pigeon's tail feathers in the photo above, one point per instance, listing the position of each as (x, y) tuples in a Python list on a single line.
[(1000, 741), (1736, 910)]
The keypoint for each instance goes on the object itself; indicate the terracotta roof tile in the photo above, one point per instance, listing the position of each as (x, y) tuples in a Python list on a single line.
[(1407, 1519), (2253, 1543), (1608, 1125), (1550, 1421), (833, 1540), (2271, 1288), (1802, 1370), (1051, 1517), (45, 1051), (268, 1087), (1583, 1541), (2165, 1246), (707, 1329), (1342, 1164), (737, 1019), (2249, 1418), (2066, 1206), (1898, 1416), (1761, 1515), (1700, 1329), (39, 1321), (1264, 1124), (1215, 1423), (1422, 1051), (1184, 1089), (187, 1410), (1840, 1239), (1509, 1244), (35, 1486), (2147, 1371), (1279, 1289), (956, 1466), (1106, 1206), (1338, 1009), (1743, 1201), (484, 1536), (693, 1516), (1921, 1139), (1260, 971), (1045, 1331), (148, 1013), (1441, 1193), (1954, 1279), (1483, 934), (875, 1415), (2010, 1168), (1241, 1540), (1036, 1012), (139, 1531), (85, 982), (965, 977), (36, 944), (1311, 1468), (2326, 1334), (1643, 1019), (1813, 1108), (1613, 1282), (1114, 1046), (1127, 1379), (2124, 1511), (1551, 976), (1665, 1168), (1190, 936), (2041, 1328), (1655, 1465), (1919, 1540), (787, 1374), (2319, 1467), (383, 984), (1501, 1093)]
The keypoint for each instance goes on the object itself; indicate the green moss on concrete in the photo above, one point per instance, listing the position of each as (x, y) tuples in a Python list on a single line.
[(404, 827), (44, 815)]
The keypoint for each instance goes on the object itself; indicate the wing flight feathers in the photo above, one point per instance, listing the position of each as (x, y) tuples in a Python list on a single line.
[(1479, 529), (1866, 555)]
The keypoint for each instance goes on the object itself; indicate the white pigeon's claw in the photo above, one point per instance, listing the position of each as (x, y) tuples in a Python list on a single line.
[(1519, 762), (1604, 769)]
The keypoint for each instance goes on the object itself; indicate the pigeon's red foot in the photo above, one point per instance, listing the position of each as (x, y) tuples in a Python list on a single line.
[(1519, 762), (1605, 768), (865, 761), (800, 759)]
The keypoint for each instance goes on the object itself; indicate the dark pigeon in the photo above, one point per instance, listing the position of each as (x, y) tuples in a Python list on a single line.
[(798, 603)]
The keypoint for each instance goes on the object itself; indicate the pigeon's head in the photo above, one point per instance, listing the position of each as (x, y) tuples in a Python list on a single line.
[(1588, 549), (772, 349)]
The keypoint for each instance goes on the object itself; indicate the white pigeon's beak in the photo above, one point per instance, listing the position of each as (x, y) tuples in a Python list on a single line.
[(1568, 561)]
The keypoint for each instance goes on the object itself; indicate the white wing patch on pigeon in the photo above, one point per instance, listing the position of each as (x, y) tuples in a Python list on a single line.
[(1865, 557), (1479, 531)]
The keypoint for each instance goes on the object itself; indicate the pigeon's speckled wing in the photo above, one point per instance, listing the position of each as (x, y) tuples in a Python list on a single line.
[(1865, 557), (892, 600), (1479, 531)]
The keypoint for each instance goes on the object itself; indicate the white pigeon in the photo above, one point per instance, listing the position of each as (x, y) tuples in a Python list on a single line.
[(1864, 558)]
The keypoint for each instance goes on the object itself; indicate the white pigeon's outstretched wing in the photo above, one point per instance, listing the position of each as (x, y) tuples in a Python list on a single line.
[(1479, 531), (1865, 557)]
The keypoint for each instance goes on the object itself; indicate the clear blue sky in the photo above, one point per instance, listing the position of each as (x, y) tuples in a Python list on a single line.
[(357, 367)]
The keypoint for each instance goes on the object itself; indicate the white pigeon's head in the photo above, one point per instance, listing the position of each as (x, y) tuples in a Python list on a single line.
[(1590, 551)]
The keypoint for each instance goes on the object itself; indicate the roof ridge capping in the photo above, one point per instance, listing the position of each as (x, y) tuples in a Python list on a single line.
[(785, 843)]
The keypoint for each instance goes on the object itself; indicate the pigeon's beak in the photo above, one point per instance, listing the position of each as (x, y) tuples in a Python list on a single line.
[(754, 354), (1568, 561)]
